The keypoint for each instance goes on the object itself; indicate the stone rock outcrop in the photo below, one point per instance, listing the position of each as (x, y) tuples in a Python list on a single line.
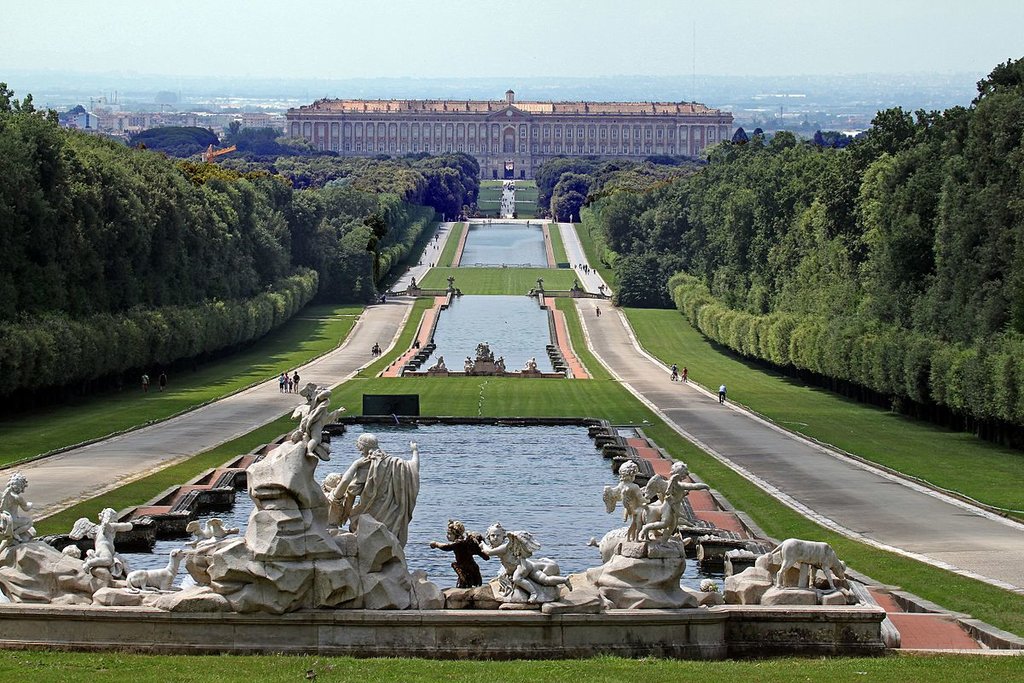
[(290, 560), (642, 575), (747, 587), (38, 572)]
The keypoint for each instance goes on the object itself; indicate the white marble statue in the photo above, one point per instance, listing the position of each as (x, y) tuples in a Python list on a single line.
[(439, 366), (634, 504), (15, 527), (213, 531), (665, 516), (795, 552), (531, 365), (313, 416), (519, 570), (467, 365), (158, 579), (103, 555), (380, 485)]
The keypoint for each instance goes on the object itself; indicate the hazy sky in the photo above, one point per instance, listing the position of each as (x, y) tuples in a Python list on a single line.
[(527, 38)]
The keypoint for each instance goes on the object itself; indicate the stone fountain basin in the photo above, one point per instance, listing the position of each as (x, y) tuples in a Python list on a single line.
[(726, 631)]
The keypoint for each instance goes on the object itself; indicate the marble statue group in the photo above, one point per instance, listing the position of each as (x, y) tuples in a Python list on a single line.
[(339, 544)]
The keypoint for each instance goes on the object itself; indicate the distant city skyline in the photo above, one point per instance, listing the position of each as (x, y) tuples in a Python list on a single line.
[(524, 39)]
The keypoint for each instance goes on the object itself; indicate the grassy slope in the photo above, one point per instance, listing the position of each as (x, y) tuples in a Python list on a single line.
[(951, 460), (62, 666), (556, 243), (498, 280), (448, 253), (312, 332)]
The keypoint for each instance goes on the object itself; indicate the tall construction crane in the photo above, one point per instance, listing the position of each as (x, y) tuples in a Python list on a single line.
[(210, 154)]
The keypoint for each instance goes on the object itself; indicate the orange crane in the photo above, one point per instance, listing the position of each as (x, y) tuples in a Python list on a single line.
[(210, 154)]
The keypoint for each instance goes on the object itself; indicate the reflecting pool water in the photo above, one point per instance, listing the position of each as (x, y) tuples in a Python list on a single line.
[(514, 326), (546, 480), (511, 244)]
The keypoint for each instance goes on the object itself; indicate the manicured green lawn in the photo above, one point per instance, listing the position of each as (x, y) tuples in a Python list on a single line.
[(312, 332), (54, 667), (498, 280), (489, 200), (950, 460), (526, 199), (556, 244), (448, 253)]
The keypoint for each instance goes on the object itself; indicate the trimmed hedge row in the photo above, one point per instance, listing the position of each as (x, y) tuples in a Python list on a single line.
[(54, 349), (984, 381)]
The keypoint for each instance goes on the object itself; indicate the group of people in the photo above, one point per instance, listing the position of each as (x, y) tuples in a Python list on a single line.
[(288, 383), (375, 350), (161, 382), (676, 376)]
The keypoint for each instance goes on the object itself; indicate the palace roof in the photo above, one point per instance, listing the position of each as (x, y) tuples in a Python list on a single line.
[(489, 106)]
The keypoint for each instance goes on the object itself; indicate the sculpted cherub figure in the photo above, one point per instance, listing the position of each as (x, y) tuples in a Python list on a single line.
[(665, 517), (15, 527), (465, 546), (313, 416), (515, 549), (634, 503), (102, 554)]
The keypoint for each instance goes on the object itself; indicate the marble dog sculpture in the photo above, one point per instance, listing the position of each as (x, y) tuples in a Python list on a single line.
[(795, 552)]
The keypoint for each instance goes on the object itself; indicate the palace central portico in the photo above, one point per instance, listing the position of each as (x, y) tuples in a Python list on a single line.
[(510, 139)]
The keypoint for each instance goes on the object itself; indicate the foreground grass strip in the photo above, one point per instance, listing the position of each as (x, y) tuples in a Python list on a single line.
[(450, 245), (951, 460), (498, 280), (63, 666), (557, 246), (313, 331), (144, 489)]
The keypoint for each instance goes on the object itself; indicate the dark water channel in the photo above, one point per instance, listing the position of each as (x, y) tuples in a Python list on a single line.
[(504, 244), (546, 480), (514, 326)]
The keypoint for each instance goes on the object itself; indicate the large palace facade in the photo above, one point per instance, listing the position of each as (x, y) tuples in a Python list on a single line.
[(510, 139)]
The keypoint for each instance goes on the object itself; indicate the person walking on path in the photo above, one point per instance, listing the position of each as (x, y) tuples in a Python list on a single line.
[(162, 381), (145, 384), (721, 394), (295, 382), (280, 383), (598, 309), (685, 373), (675, 372)]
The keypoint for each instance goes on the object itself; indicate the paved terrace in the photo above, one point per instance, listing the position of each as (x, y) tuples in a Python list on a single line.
[(852, 498)]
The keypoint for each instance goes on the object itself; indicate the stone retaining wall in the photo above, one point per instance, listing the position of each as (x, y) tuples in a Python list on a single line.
[(715, 633)]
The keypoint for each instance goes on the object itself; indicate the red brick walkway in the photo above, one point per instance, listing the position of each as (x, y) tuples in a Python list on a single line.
[(563, 341), (423, 334)]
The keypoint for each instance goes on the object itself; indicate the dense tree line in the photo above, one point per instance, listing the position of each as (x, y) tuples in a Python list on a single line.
[(174, 258), (176, 141), (892, 264)]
